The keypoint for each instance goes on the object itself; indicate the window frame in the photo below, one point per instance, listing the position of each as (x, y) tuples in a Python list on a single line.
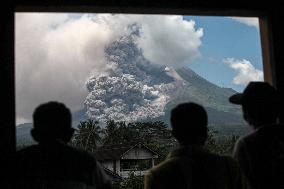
[(7, 73)]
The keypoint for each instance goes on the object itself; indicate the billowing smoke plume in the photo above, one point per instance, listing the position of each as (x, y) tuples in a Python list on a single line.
[(133, 88), (57, 53)]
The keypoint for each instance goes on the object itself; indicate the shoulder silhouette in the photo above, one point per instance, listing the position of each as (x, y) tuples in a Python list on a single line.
[(191, 166), (52, 163), (261, 153)]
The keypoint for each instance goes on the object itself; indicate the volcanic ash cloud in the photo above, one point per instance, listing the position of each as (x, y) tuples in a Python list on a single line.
[(132, 88)]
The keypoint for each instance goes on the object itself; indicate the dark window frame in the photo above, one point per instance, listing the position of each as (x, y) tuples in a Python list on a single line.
[(205, 8)]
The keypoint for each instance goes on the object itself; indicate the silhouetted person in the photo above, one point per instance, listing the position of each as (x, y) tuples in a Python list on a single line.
[(52, 163), (261, 153), (191, 166)]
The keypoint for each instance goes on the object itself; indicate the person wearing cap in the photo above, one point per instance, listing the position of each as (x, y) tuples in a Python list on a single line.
[(190, 165), (52, 163), (261, 153)]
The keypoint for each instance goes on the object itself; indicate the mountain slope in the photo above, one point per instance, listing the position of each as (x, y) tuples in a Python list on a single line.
[(211, 96), (208, 93)]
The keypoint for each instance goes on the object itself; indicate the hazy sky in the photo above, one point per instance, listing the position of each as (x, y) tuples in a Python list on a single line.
[(57, 53)]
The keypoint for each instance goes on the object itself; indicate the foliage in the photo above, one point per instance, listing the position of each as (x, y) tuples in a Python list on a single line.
[(223, 146), (132, 182), (156, 135), (88, 135), (147, 132), (118, 133)]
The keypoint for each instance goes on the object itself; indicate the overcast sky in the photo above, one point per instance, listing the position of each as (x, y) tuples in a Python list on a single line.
[(57, 53)]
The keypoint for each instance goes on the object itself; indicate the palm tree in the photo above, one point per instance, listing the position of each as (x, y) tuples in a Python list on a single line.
[(118, 133), (111, 133), (88, 135)]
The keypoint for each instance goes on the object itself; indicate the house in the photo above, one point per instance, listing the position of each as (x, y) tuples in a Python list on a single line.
[(123, 159)]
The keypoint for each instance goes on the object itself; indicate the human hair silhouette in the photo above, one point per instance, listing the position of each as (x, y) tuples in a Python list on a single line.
[(53, 163), (189, 123), (261, 152), (190, 165), (52, 121)]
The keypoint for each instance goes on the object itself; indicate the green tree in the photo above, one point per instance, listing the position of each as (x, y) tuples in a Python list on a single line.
[(118, 133), (221, 146), (88, 135), (110, 133), (151, 132), (132, 182), (156, 135)]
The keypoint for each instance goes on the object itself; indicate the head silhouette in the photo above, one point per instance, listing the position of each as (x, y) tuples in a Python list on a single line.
[(52, 121), (189, 124), (260, 103)]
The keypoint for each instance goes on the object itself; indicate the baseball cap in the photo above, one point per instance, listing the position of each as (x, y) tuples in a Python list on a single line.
[(255, 92)]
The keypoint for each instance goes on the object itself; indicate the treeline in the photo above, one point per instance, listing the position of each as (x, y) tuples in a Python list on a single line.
[(91, 134)]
